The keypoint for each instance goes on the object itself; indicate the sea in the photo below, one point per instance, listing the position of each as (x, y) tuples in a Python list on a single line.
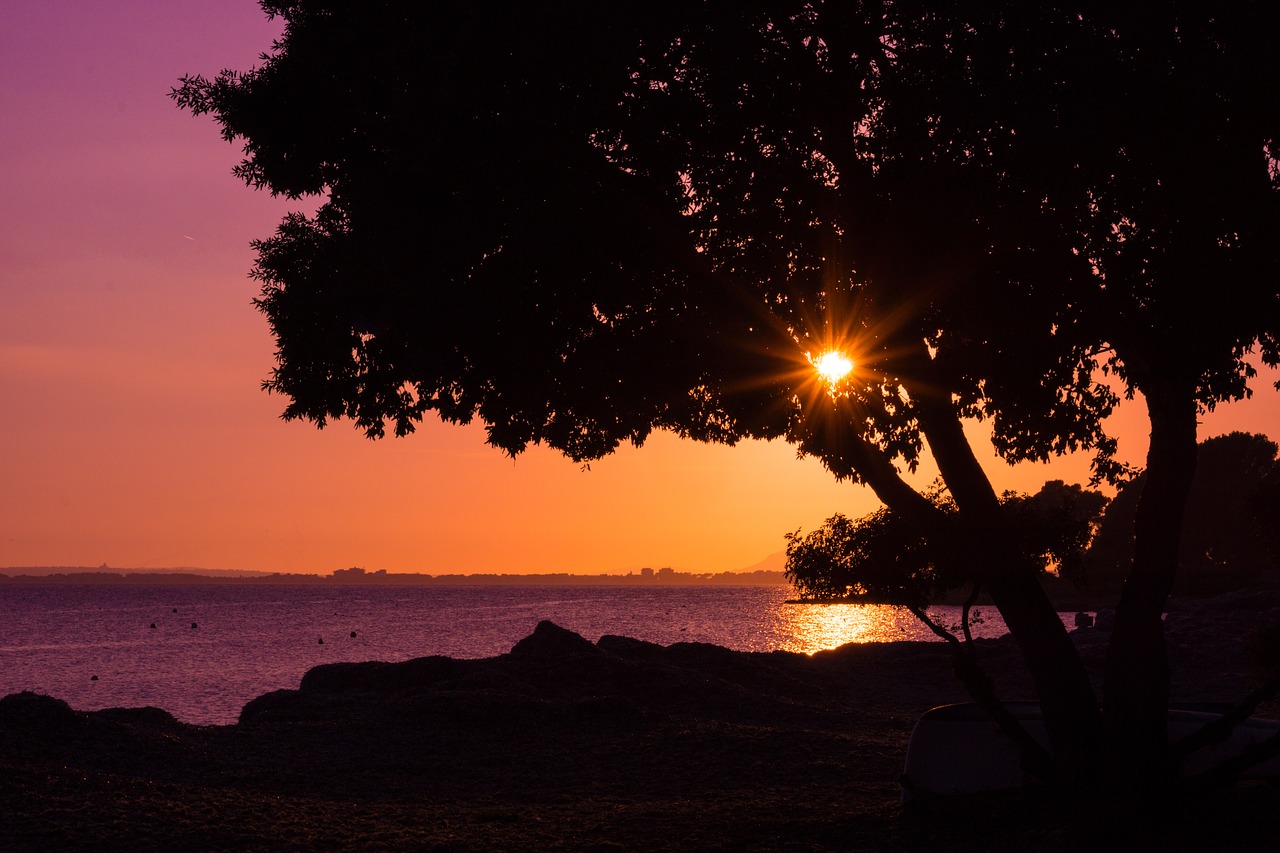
[(201, 651)]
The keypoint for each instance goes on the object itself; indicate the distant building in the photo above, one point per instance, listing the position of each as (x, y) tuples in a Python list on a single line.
[(356, 573)]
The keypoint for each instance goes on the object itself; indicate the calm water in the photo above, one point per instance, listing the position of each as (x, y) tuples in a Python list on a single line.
[(252, 639)]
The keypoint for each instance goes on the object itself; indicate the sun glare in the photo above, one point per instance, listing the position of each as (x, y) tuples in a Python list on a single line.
[(833, 366)]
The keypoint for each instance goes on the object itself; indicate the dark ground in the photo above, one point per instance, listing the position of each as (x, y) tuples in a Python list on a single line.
[(564, 744)]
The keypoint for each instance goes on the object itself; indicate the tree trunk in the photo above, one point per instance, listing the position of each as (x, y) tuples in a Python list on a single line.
[(1067, 700), (982, 544), (1136, 682)]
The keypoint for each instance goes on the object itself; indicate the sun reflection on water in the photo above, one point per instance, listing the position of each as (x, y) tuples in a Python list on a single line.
[(814, 627), (809, 628)]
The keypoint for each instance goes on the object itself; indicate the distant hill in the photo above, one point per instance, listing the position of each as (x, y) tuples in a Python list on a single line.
[(775, 562)]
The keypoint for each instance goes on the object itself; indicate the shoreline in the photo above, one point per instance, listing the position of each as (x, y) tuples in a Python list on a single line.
[(567, 744)]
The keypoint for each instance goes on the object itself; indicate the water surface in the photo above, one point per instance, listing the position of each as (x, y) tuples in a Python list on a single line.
[(250, 639)]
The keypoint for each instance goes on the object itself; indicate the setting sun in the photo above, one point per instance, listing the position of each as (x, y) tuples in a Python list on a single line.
[(833, 366)]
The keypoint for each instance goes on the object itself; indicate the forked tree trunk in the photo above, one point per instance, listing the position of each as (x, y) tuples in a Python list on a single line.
[(1067, 699), (1066, 694), (1136, 682)]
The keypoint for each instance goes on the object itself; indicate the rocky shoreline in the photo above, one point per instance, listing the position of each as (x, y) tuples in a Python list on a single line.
[(573, 745)]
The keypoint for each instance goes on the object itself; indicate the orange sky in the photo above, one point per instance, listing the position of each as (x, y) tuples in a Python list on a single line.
[(133, 429)]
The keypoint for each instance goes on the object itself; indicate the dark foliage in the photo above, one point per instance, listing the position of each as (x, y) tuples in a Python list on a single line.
[(582, 222), (883, 558), (878, 558), (1228, 539), (1055, 526)]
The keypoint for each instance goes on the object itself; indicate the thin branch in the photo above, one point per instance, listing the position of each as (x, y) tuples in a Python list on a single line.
[(1221, 728), (964, 613), (923, 616), (1035, 760), (1227, 772)]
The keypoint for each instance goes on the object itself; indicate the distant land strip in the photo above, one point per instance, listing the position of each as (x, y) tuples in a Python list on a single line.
[(381, 577)]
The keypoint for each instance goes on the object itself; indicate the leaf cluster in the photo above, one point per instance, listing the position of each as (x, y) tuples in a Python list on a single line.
[(581, 223), (884, 558)]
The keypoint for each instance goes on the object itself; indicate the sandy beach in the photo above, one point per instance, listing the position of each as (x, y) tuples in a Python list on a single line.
[(568, 745)]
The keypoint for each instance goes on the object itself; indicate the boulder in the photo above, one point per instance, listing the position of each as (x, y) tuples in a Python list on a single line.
[(550, 642)]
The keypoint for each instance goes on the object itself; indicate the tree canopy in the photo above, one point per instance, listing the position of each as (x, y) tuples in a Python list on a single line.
[(583, 222)]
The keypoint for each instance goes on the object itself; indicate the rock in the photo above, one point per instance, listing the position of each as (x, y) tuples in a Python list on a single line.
[(601, 708), (629, 647), (269, 705), (379, 675), (148, 716), (549, 641), (35, 711)]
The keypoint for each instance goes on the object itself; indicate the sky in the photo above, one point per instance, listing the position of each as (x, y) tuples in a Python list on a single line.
[(133, 431)]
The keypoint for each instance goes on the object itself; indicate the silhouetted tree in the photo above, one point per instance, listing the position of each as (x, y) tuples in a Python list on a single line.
[(879, 558), (883, 558), (1226, 541), (582, 222), (1056, 525), (1167, 153)]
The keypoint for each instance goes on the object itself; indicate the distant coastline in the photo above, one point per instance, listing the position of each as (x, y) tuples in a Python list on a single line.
[(381, 577), (1064, 596)]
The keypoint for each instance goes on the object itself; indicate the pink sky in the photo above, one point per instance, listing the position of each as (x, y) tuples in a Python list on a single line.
[(134, 431)]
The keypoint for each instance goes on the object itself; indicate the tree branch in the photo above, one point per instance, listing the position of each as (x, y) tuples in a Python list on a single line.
[(1035, 760), (1221, 728), (1229, 771), (964, 614)]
